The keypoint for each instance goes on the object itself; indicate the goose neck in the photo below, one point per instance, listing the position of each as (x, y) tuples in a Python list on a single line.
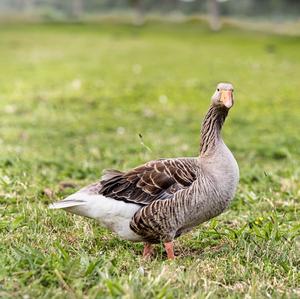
[(211, 129)]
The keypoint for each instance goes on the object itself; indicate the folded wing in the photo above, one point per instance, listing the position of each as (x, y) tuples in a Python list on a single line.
[(155, 180)]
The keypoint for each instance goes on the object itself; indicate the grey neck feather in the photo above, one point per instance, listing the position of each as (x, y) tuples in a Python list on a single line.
[(211, 128)]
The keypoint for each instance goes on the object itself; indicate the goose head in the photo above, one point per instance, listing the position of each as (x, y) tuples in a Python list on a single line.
[(223, 95)]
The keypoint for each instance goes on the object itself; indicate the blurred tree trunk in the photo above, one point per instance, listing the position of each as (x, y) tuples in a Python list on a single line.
[(29, 4), (77, 8), (171, 4), (24, 5), (138, 12), (19, 4), (214, 15)]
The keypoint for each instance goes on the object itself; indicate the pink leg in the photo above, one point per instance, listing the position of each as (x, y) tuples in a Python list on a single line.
[(169, 250), (148, 250)]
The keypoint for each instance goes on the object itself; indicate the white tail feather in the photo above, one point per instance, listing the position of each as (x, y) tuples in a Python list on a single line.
[(113, 214), (67, 203)]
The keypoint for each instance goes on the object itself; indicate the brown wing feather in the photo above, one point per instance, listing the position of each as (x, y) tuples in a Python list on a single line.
[(151, 181)]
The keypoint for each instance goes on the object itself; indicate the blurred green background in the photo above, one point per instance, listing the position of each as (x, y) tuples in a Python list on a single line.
[(93, 88)]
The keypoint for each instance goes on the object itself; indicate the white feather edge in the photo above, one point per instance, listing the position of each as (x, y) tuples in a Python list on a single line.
[(113, 214)]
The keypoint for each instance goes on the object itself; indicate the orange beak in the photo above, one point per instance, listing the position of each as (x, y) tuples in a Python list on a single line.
[(226, 98)]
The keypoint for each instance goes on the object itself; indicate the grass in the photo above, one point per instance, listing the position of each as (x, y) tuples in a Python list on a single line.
[(73, 101)]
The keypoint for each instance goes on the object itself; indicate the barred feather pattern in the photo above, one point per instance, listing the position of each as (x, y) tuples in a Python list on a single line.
[(163, 221)]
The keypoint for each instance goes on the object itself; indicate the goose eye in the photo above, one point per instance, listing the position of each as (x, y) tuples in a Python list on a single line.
[(218, 89)]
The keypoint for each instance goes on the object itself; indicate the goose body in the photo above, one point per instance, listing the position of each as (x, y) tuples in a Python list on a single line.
[(163, 199)]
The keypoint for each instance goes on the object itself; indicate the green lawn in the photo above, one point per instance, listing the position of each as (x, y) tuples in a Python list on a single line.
[(73, 101)]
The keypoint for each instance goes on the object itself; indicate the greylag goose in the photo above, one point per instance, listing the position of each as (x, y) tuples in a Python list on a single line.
[(163, 199)]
